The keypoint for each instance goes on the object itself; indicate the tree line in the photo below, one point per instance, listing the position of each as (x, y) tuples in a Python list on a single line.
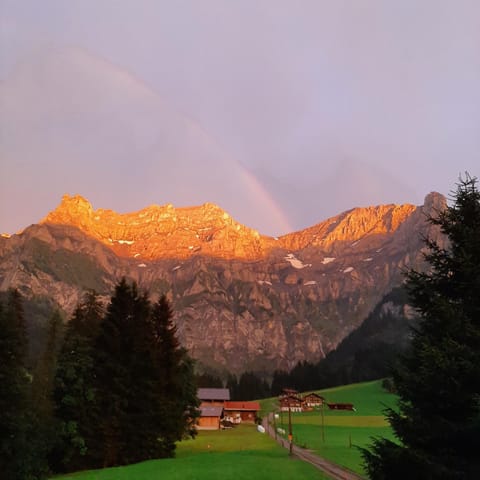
[(113, 387)]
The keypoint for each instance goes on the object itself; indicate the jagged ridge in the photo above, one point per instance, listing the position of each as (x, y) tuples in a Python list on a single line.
[(255, 307), (168, 232)]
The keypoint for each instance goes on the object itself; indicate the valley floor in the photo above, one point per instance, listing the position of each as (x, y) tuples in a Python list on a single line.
[(243, 453), (236, 454)]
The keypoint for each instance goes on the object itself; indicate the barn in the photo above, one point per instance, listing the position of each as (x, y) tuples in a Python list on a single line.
[(237, 412), (213, 396), (211, 407), (209, 418), (341, 406)]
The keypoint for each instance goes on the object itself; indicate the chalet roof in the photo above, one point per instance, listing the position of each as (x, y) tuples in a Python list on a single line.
[(287, 398), (313, 394), (247, 406), (211, 411), (213, 394)]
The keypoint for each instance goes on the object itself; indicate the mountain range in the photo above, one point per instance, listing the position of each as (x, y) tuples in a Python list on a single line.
[(242, 300)]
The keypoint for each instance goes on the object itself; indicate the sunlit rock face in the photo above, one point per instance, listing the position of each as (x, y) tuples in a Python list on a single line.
[(242, 300), (163, 231)]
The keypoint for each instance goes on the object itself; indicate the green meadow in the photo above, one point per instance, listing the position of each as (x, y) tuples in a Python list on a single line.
[(243, 453), (343, 430), (236, 454)]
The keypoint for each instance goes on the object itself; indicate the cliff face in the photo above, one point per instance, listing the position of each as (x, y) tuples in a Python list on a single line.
[(163, 231), (241, 300)]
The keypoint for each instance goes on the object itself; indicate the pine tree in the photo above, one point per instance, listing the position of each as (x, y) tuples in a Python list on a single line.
[(438, 381), (114, 382), (232, 385), (281, 380), (21, 453), (208, 380), (188, 407), (251, 386), (174, 381), (74, 391), (42, 387), (146, 395)]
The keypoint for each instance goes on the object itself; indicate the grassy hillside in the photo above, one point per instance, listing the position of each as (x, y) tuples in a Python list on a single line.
[(343, 430), (240, 453)]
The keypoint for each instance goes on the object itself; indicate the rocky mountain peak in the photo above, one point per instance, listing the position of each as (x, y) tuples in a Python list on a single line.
[(434, 202), (350, 227), (162, 231), (73, 209)]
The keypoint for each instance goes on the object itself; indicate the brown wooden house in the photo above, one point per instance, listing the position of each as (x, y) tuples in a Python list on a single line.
[(291, 402), (313, 400), (209, 418), (211, 407), (213, 396), (238, 412)]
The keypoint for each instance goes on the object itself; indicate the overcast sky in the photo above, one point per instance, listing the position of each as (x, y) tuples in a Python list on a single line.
[(282, 112)]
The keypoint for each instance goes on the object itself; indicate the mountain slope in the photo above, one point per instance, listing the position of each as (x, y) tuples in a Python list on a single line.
[(242, 300)]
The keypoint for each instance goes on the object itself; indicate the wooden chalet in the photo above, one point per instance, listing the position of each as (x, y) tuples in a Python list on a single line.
[(237, 412), (211, 407), (313, 400), (209, 418), (290, 402), (289, 391), (213, 396)]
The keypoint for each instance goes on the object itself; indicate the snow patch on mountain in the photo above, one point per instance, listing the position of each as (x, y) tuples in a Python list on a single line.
[(295, 262), (327, 260)]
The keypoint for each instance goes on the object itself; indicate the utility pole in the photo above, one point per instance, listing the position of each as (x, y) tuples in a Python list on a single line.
[(290, 435), (323, 420)]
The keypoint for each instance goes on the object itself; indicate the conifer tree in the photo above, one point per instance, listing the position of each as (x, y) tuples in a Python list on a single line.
[(188, 407), (438, 381), (208, 380), (74, 391), (42, 387), (114, 379), (281, 380), (22, 455), (232, 385), (145, 390), (175, 380), (251, 386)]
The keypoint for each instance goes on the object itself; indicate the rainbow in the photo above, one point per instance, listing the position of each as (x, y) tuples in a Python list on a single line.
[(256, 190)]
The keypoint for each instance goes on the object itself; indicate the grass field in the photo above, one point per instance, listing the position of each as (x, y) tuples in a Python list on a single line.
[(243, 453), (343, 430), (236, 454)]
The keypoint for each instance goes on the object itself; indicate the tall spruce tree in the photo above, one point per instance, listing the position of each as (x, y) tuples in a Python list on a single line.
[(42, 387), (115, 382), (74, 392), (438, 381), (175, 380), (144, 381), (22, 455), (251, 386)]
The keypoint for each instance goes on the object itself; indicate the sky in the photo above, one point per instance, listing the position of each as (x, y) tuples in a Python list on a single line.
[(284, 113)]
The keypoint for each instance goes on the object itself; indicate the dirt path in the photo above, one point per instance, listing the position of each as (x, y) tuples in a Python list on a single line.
[(333, 470)]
